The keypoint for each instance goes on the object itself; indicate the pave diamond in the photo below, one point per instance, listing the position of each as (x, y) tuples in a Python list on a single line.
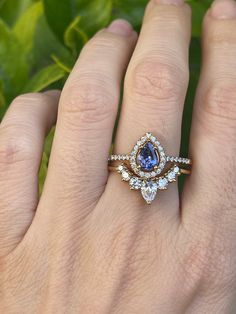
[(149, 191), (135, 183)]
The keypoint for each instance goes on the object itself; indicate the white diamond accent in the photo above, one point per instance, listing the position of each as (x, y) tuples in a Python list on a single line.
[(149, 187), (162, 184), (171, 176), (176, 169), (143, 139), (120, 168), (135, 183), (125, 175)]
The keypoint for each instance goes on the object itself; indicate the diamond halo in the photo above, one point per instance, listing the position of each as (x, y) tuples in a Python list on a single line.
[(148, 137)]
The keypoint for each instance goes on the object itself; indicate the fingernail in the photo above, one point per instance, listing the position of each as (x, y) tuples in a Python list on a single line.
[(223, 9), (174, 2), (121, 27)]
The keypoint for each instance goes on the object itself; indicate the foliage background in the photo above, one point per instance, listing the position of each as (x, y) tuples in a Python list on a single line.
[(41, 39)]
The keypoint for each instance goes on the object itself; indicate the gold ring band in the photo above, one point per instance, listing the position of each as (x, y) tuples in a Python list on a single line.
[(182, 170)]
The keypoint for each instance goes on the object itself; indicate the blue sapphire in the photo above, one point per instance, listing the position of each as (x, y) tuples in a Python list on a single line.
[(148, 157)]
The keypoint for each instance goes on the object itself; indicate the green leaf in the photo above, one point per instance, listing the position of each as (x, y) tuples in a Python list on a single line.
[(1, 3), (2, 98), (91, 18), (198, 11), (75, 38), (43, 172), (130, 10), (195, 61), (61, 64), (93, 14), (23, 32), (45, 159), (47, 47), (13, 67), (59, 15), (48, 142), (10, 10), (44, 78)]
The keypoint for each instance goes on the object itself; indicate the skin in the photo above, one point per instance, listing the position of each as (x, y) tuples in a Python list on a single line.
[(90, 245)]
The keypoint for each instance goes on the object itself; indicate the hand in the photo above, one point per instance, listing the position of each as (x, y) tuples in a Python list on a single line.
[(90, 245)]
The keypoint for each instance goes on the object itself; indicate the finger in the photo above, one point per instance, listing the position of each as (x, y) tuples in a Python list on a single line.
[(211, 189), (87, 113), (157, 79), (22, 134)]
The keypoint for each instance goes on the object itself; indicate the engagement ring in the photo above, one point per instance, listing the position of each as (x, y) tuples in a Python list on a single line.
[(148, 169)]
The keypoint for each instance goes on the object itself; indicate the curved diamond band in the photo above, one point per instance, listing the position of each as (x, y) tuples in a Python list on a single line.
[(177, 160), (148, 168)]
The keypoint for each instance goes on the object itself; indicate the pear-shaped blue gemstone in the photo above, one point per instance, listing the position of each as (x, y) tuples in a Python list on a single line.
[(147, 158)]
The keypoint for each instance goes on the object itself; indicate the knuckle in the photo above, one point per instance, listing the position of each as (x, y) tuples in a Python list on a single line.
[(192, 264), (29, 99), (208, 259), (193, 261), (151, 80), (220, 101), (221, 36), (14, 149), (104, 41), (89, 101), (217, 116)]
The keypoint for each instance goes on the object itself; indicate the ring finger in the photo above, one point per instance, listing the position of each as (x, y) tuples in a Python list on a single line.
[(157, 79)]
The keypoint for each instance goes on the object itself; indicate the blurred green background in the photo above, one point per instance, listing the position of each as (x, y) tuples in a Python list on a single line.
[(41, 39)]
